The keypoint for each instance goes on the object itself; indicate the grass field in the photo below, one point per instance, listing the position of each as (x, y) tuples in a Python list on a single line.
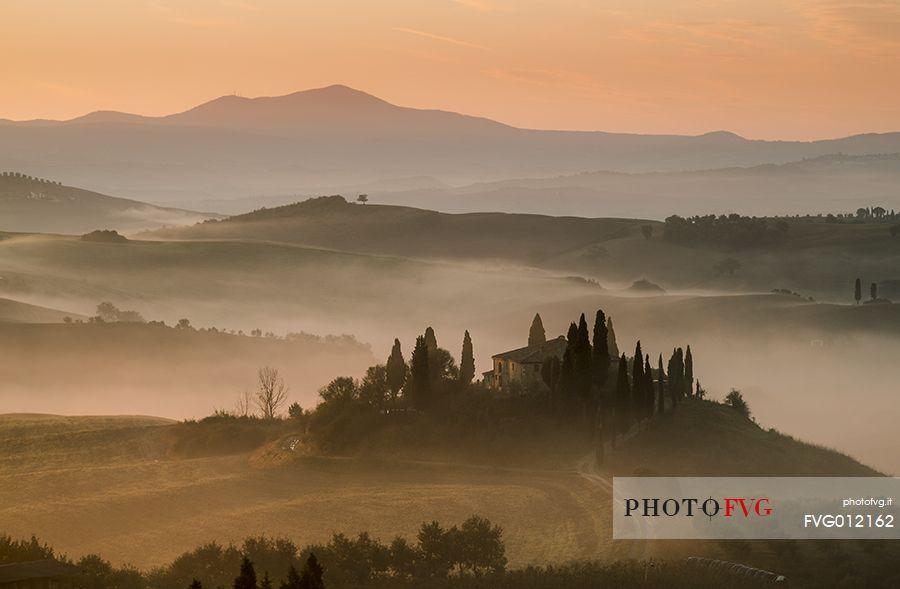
[(84, 484)]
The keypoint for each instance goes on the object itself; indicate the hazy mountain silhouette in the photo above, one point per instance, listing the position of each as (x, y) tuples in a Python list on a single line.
[(234, 146)]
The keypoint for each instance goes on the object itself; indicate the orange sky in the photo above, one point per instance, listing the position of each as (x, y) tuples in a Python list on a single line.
[(762, 68)]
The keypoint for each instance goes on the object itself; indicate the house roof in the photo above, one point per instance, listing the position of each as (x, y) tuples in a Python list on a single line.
[(34, 569), (536, 354)]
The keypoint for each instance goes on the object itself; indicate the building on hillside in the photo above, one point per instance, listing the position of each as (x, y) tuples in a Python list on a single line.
[(37, 574), (521, 368)]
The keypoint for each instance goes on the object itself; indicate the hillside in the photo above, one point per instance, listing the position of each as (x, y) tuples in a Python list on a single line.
[(233, 147), (825, 184), (18, 312), (37, 205), (812, 256), (125, 478)]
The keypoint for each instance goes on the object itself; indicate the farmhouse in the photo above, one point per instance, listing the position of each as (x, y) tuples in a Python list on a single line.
[(521, 368)]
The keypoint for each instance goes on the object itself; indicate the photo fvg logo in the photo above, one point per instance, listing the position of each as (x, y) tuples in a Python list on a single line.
[(746, 507)]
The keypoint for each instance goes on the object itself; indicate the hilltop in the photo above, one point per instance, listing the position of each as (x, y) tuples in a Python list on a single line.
[(37, 205), (233, 147)]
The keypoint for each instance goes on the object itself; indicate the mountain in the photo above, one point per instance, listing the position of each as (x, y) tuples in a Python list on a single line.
[(36, 205), (826, 184), (235, 147)]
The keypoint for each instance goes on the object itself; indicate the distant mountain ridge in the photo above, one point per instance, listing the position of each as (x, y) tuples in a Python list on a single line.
[(234, 147)]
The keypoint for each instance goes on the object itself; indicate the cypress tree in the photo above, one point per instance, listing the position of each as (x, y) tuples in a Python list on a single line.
[(660, 389), (673, 379), (246, 578), (857, 294), (600, 358), (311, 576), (689, 373), (637, 382), (536, 335), (623, 398), (873, 290), (648, 388), (396, 370), (419, 383), (430, 339), (293, 579), (567, 381), (583, 370), (467, 361), (266, 581), (611, 339)]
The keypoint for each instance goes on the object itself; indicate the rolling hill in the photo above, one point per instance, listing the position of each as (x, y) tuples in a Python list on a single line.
[(825, 184), (36, 205), (122, 475), (234, 147)]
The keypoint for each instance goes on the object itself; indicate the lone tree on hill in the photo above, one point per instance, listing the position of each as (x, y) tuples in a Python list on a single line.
[(857, 294), (536, 335), (246, 578), (467, 361), (271, 392), (396, 370), (362, 198)]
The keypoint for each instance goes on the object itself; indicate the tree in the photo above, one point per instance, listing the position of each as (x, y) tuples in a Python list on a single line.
[(467, 361), (660, 389), (266, 581), (623, 399), (362, 198), (567, 380), (430, 339), (536, 334), (688, 372), (340, 391), (373, 390), (611, 339), (435, 550), (550, 371), (246, 578), (396, 370), (601, 358), (183, 324), (647, 231), (857, 293), (311, 576), (873, 290), (480, 546), (292, 580), (637, 382), (879, 212), (418, 386), (736, 400), (583, 373), (271, 392), (648, 388)]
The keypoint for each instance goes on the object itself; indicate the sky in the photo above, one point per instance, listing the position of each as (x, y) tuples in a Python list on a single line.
[(774, 69)]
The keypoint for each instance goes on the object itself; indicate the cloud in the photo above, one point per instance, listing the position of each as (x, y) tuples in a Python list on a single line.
[(450, 40), (870, 27)]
